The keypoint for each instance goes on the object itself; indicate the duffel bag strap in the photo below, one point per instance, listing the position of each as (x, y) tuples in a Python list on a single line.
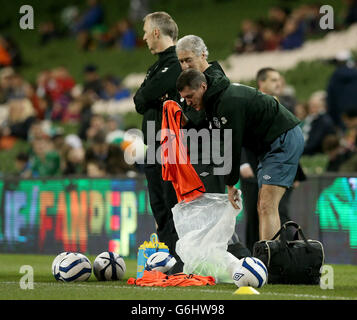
[(283, 230)]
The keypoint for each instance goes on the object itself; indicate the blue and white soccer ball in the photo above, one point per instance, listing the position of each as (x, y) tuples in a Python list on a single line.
[(56, 261), (72, 267), (109, 266), (251, 273), (161, 261)]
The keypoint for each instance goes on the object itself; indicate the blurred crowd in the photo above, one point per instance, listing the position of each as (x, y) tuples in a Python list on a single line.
[(286, 29), (91, 29), (32, 112), (329, 117)]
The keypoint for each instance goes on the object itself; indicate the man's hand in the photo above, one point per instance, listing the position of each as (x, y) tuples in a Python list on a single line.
[(234, 196)]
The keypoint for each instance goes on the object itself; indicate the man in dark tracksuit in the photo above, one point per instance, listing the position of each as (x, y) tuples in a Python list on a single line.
[(160, 34), (193, 53), (257, 122)]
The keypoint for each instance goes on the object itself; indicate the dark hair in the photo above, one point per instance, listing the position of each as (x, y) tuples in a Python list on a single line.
[(190, 78), (263, 73)]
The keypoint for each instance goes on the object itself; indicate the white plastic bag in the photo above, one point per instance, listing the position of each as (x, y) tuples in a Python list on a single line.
[(204, 227)]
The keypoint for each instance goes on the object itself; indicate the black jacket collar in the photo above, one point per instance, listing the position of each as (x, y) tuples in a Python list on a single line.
[(168, 52)]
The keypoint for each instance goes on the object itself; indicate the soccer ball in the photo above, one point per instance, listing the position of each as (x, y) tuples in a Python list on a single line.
[(161, 261), (56, 261), (74, 267), (109, 266), (252, 273)]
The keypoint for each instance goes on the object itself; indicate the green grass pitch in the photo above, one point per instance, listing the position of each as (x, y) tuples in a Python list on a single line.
[(47, 288)]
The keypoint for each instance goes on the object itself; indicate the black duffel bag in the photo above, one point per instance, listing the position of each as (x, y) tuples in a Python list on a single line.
[(295, 261)]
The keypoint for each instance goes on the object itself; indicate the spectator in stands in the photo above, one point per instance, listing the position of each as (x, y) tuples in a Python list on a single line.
[(95, 169), (96, 125), (5, 57), (39, 129), (126, 39), (250, 38), (301, 111), (91, 18), (59, 83), (341, 89), (113, 89), (72, 114), (271, 39), (310, 16), (277, 17), (73, 156), (110, 155), (20, 88), (317, 125), (22, 165), (45, 161), (21, 116), (92, 82), (349, 141), (48, 32), (86, 116), (336, 153), (293, 34), (6, 75), (8, 45)]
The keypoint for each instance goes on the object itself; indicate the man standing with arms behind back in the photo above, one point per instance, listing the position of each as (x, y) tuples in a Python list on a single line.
[(160, 35)]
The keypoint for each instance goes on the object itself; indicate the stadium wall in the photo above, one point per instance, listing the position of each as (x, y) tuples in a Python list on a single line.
[(49, 216)]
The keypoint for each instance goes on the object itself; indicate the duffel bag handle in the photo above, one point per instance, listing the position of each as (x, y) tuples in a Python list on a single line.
[(283, 230)]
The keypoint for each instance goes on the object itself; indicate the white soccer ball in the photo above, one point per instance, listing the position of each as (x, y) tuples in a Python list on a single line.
[(109, 266), (161, 261), (56, 261), (251, 273), (74, 267)]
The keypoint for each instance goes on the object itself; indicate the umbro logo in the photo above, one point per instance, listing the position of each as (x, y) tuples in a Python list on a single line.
[(266, 177), (237, 276)]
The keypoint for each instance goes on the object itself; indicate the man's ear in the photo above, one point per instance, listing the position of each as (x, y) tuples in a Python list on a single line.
[(204, 86), (156, 32)]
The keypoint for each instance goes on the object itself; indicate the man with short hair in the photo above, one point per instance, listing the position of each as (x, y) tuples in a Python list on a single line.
[(258, 122), (192, 53), (269, 81), (160, 34)]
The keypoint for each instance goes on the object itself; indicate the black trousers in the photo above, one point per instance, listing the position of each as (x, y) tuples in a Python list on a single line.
[(162, 197), (250, 190)]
